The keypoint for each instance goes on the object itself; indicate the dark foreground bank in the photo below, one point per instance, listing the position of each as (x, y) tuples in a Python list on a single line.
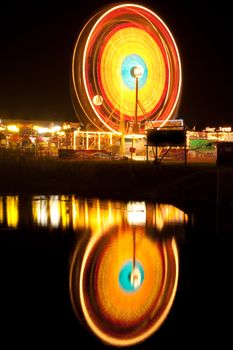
[(116, 179)]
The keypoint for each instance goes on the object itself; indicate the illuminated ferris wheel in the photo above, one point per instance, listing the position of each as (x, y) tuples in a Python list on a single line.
[(126, 70)]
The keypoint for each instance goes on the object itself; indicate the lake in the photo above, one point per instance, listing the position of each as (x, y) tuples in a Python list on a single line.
[(86, 272)]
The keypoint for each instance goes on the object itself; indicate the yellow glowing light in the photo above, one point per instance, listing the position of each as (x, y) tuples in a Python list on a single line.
[(66, 126), (40, 211), (75, 212), (1, 210), (55, 128), (61, 133), (131, 41), (225, 128), (135, 278), (65, 211), (136, 213), (135, 136), (137, 71), (54, 211), (40, 129), (44, 130), (13, 128), (97, 100), (12, 211), (94, 214), (167, 213)]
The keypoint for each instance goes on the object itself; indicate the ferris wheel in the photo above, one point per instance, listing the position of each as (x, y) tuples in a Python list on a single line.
[(126, 70)]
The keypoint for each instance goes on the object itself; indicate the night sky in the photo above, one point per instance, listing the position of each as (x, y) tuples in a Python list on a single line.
[(37, 43)]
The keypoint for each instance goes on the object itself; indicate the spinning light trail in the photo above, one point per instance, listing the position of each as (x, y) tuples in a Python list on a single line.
[(114, 44)]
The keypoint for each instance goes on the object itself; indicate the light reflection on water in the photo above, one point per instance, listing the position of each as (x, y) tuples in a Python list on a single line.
[(70, 212), (36, 268), (124, 268), (104, 295), (9, 211)]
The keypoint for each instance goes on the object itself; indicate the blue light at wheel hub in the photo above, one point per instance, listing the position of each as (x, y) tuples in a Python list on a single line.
[(127, 66), (125, 276)]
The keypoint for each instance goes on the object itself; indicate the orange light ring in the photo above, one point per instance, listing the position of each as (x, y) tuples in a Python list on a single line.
[(86, 67), (103, 326)]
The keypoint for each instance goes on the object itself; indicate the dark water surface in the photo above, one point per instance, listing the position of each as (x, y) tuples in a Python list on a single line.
[(43, 242)]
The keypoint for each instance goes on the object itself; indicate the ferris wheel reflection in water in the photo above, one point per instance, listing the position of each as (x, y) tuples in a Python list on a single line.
[(125, 263), (123, 279)]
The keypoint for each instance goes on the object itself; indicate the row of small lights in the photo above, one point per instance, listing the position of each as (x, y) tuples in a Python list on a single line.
[(39, 129)]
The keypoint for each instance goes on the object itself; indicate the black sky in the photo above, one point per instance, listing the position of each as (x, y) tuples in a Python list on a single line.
[(37, 42)]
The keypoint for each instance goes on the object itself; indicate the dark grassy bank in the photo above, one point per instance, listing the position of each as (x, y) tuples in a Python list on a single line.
[(116, 179)]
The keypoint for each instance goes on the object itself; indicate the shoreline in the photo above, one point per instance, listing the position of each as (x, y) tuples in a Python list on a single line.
[(129, 179)]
